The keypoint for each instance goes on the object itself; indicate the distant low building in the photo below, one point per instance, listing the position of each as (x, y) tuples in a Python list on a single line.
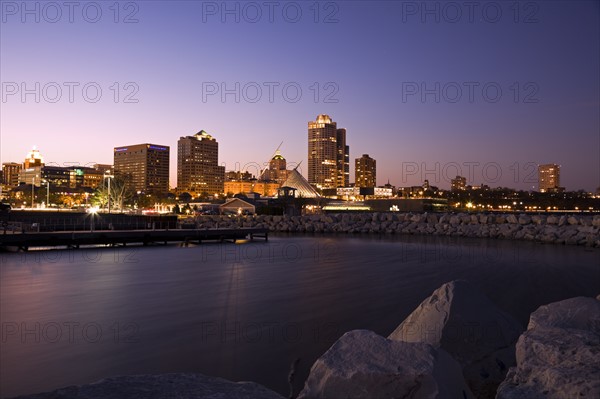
[(237, 206), (267, 189), (357, 192)]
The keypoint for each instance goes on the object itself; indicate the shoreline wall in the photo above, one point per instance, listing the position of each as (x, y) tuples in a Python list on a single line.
[(552, 229)]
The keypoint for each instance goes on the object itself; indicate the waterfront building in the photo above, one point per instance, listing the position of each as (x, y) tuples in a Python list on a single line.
[(297, 184)]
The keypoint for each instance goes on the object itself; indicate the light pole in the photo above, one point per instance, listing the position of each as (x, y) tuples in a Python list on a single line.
[(109, 176), (32, 191), (47, 193)]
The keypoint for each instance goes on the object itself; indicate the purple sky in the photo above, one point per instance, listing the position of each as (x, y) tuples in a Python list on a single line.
[(373, 58)]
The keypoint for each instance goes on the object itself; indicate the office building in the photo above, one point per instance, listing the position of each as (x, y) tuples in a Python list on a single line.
[(31, 172), (145, 166), (365, 172), (10, 173), (198, 170)]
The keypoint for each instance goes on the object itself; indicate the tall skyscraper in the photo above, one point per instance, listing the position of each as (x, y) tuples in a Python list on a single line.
[(146, 166), (549, 177), (328, 154), (198, 170), (343, 159), (365, 171)]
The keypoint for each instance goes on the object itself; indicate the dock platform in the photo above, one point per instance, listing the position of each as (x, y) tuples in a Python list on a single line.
[(24, 241)]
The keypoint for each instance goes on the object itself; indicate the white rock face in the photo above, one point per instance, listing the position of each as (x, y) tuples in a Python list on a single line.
[(559, 354), (362, 364), (460, 319)]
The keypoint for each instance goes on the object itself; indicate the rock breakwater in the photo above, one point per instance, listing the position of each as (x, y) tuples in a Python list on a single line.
[(553, 229)]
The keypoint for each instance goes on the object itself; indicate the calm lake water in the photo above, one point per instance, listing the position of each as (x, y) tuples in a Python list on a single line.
[(247, 311)]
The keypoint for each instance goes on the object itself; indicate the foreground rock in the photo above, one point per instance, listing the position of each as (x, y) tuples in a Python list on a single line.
[(362, 364), (460, 319), (161, 386), (559, 354)]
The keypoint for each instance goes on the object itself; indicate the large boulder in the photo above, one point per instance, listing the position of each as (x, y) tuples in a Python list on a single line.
[(559, 354), (362, 364), (460, 319), (161, 386)]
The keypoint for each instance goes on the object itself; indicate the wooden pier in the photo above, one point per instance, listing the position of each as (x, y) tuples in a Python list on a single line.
[(24, 241)]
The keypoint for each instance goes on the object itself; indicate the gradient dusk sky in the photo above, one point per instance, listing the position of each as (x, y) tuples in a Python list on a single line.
[(370, 60)]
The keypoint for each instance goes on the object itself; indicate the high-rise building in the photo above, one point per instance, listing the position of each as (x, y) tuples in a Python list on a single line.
[(198, 169), (328, 154), (458, 184), (343, 159), (10, 173), (549, 177), (146, 167), (365, 172), (277, 171), (34, 158), (31, 173)]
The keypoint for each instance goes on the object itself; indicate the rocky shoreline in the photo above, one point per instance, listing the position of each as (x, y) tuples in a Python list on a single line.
[(456, 344), (573, 229)]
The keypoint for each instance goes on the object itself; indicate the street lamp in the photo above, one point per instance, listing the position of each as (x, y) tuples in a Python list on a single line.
[(47, 192), (32, 191), (109, 176), (93, 210)]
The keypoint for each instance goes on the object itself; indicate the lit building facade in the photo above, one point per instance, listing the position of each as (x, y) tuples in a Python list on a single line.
[(267, 189), (238, 175), (146, 167), (328, 154), (353, 193), (365, 171), (198, 170), (549, 177)]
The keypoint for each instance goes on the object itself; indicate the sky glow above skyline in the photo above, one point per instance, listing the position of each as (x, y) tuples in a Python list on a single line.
[(428, 90)]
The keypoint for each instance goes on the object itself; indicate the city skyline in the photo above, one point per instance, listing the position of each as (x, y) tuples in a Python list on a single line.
[(275, 170), (382, 84)]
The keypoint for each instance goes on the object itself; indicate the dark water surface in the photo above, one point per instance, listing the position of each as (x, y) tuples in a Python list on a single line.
[(247, 311)]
